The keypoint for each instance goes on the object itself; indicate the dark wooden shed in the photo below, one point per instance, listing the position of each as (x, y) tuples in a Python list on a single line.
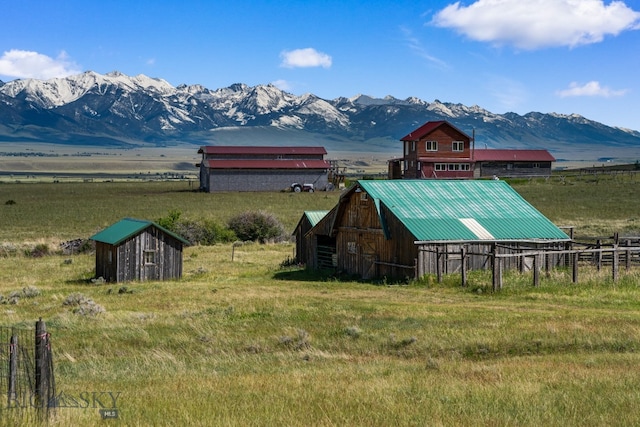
[(307, 222), (134, 249)]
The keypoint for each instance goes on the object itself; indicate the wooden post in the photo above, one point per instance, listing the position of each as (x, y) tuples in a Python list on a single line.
[(599, 255), (616, 262), (496, 270), (536, 270), (438, 268), (547, 264), (13, 369), (574, 269), (627, 256), (42, 365), (463, 265)]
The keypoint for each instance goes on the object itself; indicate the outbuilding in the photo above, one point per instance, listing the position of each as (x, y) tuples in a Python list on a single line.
[(400, 229), (258, 168), (134, 249), (307, 222)]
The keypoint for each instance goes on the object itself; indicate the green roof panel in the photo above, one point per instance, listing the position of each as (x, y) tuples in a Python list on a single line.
[(314, 217), (461, 210), (128, 227)]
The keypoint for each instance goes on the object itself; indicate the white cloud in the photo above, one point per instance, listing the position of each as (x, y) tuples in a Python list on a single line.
[(27, 64), (592, 88), (308, 57), (533, 24), (282, 85)]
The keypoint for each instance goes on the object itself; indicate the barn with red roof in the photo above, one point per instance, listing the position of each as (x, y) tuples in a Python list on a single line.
[(262, 168)]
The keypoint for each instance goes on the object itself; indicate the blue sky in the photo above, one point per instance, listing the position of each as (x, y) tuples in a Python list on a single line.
[(562, 56)]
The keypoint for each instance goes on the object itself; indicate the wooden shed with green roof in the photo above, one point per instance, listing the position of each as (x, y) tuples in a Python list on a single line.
[(134, 249), (307, 222), (408, 228)]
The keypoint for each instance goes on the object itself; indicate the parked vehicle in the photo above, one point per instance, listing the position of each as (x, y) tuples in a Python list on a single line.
[(297, 187)]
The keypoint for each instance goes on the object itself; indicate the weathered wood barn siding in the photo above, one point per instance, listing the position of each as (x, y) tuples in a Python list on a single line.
[(138, 250), (128, 258), (362, 247), (320, 243)]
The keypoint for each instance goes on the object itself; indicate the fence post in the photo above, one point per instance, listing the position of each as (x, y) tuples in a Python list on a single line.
[(574, 270), (42, 365), (463, 265), (438, 266), (616, 262), (599, 255), (495, 267), (13, 368), (536, 270), (627, 256)]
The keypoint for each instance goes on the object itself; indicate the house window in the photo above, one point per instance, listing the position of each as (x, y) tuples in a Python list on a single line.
[(364, 197), (351, 247), (536, 165), (431, 145), (413, 146), (457, 146), (110, 257), (441, 166), (149, 257)]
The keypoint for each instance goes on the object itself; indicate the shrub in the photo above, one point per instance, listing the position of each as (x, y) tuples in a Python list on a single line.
[(256, 226), (205, 232), (170, 221), (82, 305), (40, 250), (301, 340)]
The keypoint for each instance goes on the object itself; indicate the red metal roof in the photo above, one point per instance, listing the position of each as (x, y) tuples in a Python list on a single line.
[(427, 128), (229, 149), (267, 164), (491, 155)]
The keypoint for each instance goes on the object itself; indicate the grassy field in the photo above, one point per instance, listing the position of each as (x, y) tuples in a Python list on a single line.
[(248, 342)]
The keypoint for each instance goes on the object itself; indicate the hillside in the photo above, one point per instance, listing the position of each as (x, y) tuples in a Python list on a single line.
[(116, 110)]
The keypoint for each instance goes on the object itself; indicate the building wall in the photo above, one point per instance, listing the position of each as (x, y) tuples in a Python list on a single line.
[(127, 260), (263, 180), (364, 250), (513, 169), (444, 135)]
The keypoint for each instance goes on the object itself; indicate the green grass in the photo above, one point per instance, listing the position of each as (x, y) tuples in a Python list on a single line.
[(246, 342)]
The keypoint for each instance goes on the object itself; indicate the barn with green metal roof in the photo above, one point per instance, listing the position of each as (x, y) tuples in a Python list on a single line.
[(134, 249), (408, 228)]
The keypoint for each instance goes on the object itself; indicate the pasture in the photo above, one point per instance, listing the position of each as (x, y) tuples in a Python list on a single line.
[(250, 342)]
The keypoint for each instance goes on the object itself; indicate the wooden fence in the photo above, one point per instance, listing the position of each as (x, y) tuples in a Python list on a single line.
[(622, 252), (26, 372)]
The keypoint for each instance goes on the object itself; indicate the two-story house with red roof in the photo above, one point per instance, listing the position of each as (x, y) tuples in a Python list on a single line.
[(439, 150)]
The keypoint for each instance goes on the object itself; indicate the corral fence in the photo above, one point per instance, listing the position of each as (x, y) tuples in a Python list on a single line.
[(614, 253), (27, 375)]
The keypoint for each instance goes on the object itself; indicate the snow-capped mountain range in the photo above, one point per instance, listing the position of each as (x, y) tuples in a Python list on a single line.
[(119, 110)]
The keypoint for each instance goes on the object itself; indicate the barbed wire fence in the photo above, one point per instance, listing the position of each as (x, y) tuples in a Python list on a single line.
[(27, 381)]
